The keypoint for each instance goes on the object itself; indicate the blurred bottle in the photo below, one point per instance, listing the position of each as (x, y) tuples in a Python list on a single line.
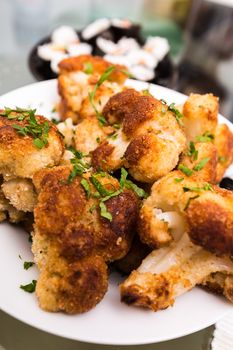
[(30, 20)]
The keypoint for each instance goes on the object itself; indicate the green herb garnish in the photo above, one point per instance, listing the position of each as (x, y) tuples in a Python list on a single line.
[(179, 179), (206, 137), (185, 170), (116, 126), (222, 159), (177, 113), (28, 264), (104, 212), (189, 201), (86, 186), (39, 132), (29, 288), (199, 166), (192, 152), (103, 77), (92, 208), (206, 187), (88, 68)]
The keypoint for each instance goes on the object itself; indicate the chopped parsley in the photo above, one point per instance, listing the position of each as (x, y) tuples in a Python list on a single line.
[(79, 165), (179, 179), (39, 132), (189, 201), (146, 92), (192, 152), (29, 288), (102, 79), (185, 170), (104, 194), (104, 212), (98, 139), (174, 110), (116, 126), (222, 159), (206, 137), (206, 187), (88, 68), (28, 264), (86, 186), (199, 166), (177, 113), (92, 208), (55, 121)]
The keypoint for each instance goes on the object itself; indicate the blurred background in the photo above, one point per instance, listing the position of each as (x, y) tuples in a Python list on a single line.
[(200, 33)]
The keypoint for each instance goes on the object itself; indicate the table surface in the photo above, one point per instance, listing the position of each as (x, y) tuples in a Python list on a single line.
[(15, 40)]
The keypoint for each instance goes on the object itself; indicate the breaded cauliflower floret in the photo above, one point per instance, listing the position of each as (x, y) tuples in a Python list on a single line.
[(183, 204), (200, 115), (224, 143), (20, 193), (7, 211), (151, 139), (171, 271), (19, 156), (76, 81), (75, 235)]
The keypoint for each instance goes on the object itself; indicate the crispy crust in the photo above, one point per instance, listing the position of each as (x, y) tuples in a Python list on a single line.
[(101, 156), (19, 156), (132, 108), (72, 244), (224, 143), (210, 219), (72, 64)]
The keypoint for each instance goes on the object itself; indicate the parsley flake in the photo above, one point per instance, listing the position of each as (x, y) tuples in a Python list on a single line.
[(206, 137), (102, 79), (86, 186), (29, 288), (179, 179), (199, 166), (104, 212), (192, 152), (185, 170), (88, 68), (28, 264), (189, 201)]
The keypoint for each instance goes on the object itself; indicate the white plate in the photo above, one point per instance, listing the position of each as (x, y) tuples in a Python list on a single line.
[(110, 322)]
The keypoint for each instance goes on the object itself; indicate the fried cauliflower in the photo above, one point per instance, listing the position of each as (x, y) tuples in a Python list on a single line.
[(148, 142), (76, 233), (28, 142), (224, 143), (77, 78), (200, 115), (178, 204), (8, 212), (20, 193), (171, 271)]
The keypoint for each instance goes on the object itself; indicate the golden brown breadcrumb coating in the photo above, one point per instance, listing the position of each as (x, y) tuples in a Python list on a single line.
[(133, 259), (210, 220), (149, 141), (200, 115), (224, 143), (74, 85), (19, 157), (72, 242)]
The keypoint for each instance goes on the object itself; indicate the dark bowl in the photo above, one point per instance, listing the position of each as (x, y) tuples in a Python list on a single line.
[(166, 72)]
